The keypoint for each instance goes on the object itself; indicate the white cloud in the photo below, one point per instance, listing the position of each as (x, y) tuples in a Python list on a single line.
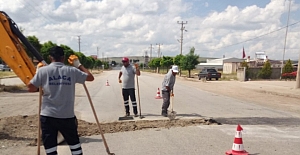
[(128, 27)]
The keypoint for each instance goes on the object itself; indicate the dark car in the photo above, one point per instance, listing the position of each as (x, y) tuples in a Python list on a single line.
[(4, 68), (209, 73)]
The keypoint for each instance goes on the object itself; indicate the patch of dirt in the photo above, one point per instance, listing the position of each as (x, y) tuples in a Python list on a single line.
[(22, 130), (14, 88)]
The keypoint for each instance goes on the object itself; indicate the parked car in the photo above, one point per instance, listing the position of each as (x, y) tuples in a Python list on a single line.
[(209, 73), (4, 68), (290, 75)]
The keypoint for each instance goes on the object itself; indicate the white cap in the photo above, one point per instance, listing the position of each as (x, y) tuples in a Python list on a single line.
[(175, 68)]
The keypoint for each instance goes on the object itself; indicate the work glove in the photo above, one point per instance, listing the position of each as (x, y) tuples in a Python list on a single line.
[(74, 61), (120, 81), (172, 94), (38, 66), (136, 66)]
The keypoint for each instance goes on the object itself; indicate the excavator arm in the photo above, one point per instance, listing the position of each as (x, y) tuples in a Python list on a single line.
[(12, 51)]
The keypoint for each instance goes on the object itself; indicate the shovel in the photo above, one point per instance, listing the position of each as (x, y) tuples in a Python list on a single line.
[(99, 126), (137, 81), (172, 114)]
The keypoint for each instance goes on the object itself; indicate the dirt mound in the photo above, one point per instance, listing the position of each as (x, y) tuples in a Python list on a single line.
[(22, 130)]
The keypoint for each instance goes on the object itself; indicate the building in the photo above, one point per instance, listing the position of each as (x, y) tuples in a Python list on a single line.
[(259, 62), (231, 65), (227, 65)]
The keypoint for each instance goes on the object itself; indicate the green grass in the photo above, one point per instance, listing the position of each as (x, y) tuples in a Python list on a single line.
[(184, 73), (194, 73), (226, 77), (6, 74)]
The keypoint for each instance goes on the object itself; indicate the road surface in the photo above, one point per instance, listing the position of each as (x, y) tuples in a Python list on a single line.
[(267, 130)]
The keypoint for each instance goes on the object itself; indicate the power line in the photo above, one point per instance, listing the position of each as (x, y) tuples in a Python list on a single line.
[(36, 10), (257, 36)]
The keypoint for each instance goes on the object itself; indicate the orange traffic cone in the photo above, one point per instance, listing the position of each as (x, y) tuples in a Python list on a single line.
[(237, 147), (107, 84), (158, 94)]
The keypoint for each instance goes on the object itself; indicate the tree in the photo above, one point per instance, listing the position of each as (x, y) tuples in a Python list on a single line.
[(189, 61), (155, 63), (68, 51), (45, 50), (245, 64), (98, 64), (89, 62), (166, 61), (34, 41), (82, 58), (142, 65), (177, 59), (288, 67), (106, 65), (266, 71)]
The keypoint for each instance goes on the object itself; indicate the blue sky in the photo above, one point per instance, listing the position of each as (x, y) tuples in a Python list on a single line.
[(128, 27)]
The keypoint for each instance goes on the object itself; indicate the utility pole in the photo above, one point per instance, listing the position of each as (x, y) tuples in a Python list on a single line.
[(79, 42), (298, 74), (102, 57), (150, 51), (144, 60), (286, 32), (158, 52), (97, 52), (181, 37)]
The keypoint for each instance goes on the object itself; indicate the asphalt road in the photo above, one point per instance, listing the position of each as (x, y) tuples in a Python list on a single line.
[(266, 131)]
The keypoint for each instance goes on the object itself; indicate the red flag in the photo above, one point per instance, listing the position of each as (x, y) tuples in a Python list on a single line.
[(244, 55)]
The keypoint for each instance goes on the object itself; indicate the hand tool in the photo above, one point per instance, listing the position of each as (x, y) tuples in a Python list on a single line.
[(95, 115)]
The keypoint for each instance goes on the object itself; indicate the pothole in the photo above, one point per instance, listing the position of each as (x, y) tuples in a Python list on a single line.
[(22, 130), (88, 129)]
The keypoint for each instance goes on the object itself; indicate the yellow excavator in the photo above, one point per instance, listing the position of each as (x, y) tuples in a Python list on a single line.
[(13, 53)]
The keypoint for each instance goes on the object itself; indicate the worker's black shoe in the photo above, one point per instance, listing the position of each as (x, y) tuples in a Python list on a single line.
[(136, 115), (164, 113), (127, 114)]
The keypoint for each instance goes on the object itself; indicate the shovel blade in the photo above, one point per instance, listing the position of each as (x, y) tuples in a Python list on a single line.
[(125, 118), (172, 115)]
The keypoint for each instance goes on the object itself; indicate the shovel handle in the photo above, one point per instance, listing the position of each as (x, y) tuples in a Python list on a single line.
[(95, 115), (39, 122), (138, 88)]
